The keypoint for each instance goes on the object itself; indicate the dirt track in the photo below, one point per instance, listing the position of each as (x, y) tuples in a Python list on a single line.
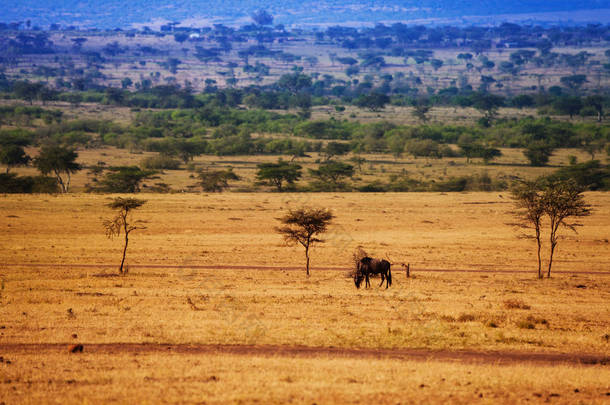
[(280, 268), (465, 356)]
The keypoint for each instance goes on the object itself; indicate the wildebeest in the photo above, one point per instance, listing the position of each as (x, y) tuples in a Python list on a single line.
[(368, 266)]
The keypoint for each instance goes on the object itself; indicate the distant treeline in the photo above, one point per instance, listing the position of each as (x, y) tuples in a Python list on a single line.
[(395, 37), (180, 135), (220, 130), (298, 90)]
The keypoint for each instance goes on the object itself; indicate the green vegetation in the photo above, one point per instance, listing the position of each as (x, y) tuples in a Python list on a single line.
[(241, 103)]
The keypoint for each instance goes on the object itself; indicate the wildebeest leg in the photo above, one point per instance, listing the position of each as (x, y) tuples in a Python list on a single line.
[(382, 279), (368, 283)]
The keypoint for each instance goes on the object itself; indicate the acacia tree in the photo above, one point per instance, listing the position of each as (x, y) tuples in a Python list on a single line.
[(60, 161), (420, 108), (122, 222), (334, 149), (558, 200), (528, 200), (122, 179), (302, 225), (13, 155), (332, 172), (216, 180), (562, 200), (488, 104), (276, 174), (538, 153)]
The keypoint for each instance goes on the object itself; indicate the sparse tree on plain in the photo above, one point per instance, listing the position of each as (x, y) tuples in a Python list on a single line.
[(13, 155), (215, 181), (122, 179), (302, 225), (488, 104), (562, 200), (558, 200), (334, 149), (420, 108), (60, 161), (278, 174), (332, 172), (538, 153), (358, 161), (527, 197), (597, 103), (122, 222)]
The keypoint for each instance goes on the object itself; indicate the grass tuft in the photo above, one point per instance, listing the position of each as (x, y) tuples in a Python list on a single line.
[(515, 303), (466, 318)]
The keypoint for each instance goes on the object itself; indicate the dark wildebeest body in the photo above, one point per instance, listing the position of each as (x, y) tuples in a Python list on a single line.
[(368, 266)]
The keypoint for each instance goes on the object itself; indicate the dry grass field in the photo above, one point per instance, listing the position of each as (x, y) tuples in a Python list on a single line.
[(217, 309)]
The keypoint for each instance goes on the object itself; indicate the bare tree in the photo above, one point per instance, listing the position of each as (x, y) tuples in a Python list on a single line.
[(302, 225), (528, 200), (122, 222), (562, 200)]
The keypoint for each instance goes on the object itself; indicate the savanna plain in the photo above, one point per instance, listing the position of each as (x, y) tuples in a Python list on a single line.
[(216, 308)]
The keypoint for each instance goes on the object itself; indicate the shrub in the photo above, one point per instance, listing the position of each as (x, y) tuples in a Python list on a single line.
[(538, 321), (160, 162), (525, 325), (515, 303), (374, 187), (10, 183), (452, 185), (466, 318)]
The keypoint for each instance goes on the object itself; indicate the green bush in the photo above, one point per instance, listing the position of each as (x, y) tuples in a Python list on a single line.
[(10, 183)]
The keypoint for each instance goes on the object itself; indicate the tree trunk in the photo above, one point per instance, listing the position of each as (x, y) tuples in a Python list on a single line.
[(554, 227), (124, 254), (540, 275), (60, 181), (307, 256), (548, 275), (126, 242)]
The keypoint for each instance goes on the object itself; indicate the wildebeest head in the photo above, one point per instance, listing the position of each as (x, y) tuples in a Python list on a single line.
[(358, 277), (361, 270)]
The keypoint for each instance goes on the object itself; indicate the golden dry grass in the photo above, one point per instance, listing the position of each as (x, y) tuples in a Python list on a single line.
[(431, 231), (195, 305), (220, 379)]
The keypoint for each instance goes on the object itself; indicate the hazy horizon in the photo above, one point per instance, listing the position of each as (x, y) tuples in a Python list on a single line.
[(108, 14)]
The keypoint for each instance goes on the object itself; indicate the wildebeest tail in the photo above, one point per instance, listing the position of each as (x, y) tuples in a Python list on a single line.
[(389, 276)]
